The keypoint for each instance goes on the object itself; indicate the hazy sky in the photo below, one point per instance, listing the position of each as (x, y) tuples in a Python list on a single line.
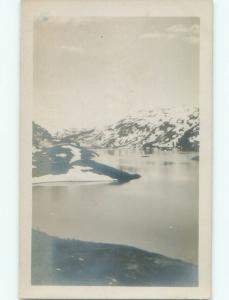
[(92, 71)]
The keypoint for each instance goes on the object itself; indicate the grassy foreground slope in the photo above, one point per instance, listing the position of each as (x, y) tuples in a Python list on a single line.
[(58, 261)]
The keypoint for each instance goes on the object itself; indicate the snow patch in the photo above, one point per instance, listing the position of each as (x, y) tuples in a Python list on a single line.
[(75, 152), (76, 173), (61, 155)]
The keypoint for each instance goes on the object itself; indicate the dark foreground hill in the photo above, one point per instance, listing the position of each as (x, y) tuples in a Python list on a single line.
[(58, 261)]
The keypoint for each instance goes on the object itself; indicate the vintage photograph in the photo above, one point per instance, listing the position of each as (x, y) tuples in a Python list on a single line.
[(115, 151), (115, 141)]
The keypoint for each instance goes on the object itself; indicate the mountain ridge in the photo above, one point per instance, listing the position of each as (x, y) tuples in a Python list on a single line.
[(163, 129)]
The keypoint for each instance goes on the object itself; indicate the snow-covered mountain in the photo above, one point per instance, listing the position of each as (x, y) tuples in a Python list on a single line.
[(63, 159), (65, 155), (165, 129)]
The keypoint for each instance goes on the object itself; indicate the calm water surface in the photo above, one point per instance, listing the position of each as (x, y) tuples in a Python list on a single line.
[(158, 212)]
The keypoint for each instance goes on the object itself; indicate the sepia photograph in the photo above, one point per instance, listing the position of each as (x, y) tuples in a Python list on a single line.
[(118, 150), (115, 151)]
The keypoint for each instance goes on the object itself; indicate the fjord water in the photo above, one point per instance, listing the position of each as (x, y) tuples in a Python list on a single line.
[(157, 212)]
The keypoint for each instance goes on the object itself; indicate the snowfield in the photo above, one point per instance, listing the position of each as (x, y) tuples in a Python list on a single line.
[(77, 173), (63, 163)]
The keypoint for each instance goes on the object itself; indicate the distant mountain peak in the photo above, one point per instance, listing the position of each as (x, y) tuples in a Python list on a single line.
[(163, 128)]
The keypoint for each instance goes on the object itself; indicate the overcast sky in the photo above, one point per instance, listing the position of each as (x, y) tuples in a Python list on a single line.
[(92, 71)]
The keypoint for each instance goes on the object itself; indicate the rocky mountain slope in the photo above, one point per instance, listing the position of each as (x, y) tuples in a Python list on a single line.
[(165, 129), (41, 136)]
